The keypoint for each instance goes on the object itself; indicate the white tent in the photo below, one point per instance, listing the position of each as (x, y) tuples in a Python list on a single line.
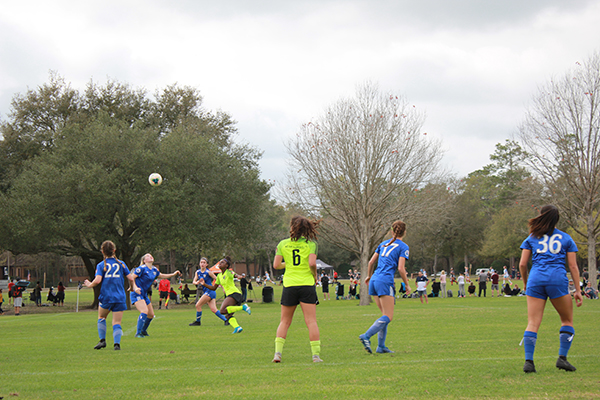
[(323, 265)]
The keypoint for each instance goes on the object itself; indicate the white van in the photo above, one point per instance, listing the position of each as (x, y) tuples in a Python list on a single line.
[(480, 270)]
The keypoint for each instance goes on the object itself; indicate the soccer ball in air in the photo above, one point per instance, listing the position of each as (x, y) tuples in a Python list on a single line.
[(155, 179)]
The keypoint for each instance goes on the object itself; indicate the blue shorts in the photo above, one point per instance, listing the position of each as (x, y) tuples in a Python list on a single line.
[(547, 291), (377, 288), (210, 293), (114, 307), (137, 297)]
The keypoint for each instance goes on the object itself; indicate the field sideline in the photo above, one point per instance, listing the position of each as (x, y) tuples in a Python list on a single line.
[(450, 348)]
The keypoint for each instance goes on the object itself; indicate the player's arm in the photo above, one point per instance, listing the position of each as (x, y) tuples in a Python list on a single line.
[(278, 262), (169, 276), (574, 269), (312, 264), (372, 263), (93, 283), (196, 281), (402, 271), (134, 288), (525, 255), (211, 287), (212, 275)]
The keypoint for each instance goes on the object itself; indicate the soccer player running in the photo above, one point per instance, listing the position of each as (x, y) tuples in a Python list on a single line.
[(143, 277), (549, 248), (298, 255), (233, 296), (208, 296), (111, 273), (390, 255)]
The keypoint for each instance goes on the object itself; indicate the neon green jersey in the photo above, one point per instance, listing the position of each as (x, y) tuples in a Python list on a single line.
[(295, 255), (225, 279)]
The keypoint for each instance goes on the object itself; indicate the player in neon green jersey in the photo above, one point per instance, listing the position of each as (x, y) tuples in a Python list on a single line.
[(298, 255), (233, 296)]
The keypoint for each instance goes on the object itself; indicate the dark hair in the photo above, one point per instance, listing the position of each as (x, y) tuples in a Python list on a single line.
[(545, 222), (399, 229), (227, 259), (108, 249), (303, 227)]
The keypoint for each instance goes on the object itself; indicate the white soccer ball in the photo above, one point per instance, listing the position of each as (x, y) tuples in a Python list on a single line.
[(155, 179)]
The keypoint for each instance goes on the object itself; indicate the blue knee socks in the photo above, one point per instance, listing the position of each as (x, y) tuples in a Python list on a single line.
[(381, 323), (102, 328), (566, 337), (529, 339), (381, 335), (117, 333), (146, 324), (198, 315), (141, 322), (221, 316)]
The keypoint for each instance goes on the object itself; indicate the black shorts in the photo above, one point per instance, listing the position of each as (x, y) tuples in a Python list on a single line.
[(326, 289), (237, 297), (294, 295), (164, 295)]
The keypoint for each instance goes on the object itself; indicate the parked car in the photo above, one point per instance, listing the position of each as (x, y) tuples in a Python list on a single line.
[(480, 270)]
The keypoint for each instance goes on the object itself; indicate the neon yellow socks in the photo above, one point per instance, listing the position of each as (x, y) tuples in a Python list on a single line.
[(232, 309), (315, 347), (279, 342)]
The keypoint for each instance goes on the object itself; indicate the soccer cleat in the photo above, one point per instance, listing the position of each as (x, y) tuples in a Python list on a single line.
[(145, 333), (383, 350), (316, 358), (247, 309), (562, 363), (529, 367), (195, 323), (101, 344), (117, 346), (367, 343), (237, 330), (277, 357), (139, 335)]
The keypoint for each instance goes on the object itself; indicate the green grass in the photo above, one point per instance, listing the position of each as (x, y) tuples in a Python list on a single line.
[(450, 348)]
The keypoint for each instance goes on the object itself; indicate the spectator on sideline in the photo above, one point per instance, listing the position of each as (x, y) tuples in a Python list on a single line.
[(495, 281), (483, 277)]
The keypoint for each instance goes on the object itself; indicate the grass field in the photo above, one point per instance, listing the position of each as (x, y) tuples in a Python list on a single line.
[(451, 348)]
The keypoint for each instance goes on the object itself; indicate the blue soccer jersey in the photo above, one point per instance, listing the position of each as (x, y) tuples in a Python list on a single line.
[(209, 281), (113, 280), (548, 255), (387, 263), (145, 277)]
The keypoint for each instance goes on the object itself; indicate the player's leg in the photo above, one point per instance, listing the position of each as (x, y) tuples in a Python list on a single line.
[(386, 305), (287, 314), (227, 311), (142, 307), (117, 329), (102, 314), (212, 304), (310, 319), (149, 318), (201, 301), (535, 313), (564, 307)]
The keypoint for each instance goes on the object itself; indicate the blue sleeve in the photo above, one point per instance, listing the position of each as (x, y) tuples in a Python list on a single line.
[(526, 245), (571, 246), (100, 269)]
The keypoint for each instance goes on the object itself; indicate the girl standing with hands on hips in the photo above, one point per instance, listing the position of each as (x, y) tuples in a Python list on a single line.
[(298, 255), (391, 255), (111, 273), (549, 248)]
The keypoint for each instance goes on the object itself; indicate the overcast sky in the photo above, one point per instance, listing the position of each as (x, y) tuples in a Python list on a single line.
[(471, 65)]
